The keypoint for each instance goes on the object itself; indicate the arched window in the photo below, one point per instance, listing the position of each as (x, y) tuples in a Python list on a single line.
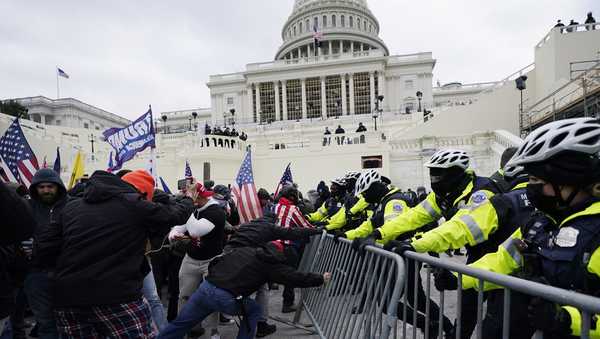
[(294, 30), (365, 26), (343, 21), (371, 28), (358, 23), (333, 21), (351, 22), (316, 23), (300, 27), (307, 25), (324, 21)]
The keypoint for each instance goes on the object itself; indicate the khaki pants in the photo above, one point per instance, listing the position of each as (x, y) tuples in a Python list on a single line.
[(191, 274)]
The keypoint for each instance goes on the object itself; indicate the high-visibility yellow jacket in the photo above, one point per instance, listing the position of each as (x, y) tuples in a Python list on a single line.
[(475, 225), (338, 220), (329, 208), (428, 211), (391, 207), (559, 249)]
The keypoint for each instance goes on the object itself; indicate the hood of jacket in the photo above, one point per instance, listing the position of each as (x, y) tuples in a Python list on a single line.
[(46, 175), (104, 186), (256, 233)]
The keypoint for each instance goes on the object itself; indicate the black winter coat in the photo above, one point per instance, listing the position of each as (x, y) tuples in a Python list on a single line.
[(97, 242), (248, 261), (17, 225)]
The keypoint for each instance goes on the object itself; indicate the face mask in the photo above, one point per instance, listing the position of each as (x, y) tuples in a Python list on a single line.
[(553, 206), (375, 193)]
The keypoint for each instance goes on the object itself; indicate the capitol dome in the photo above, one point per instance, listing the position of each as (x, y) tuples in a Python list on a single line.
[(347, 26)]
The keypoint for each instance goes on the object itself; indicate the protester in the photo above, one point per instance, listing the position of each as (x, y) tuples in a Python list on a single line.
[(266, 203), (18, 225), (340, 130), (48, 194), (249, 262), (96, 246), (206, 228), (590, 21), (572, 23), (361, 128)]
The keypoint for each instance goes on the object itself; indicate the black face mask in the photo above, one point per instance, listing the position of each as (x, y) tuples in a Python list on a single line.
[(553, 206), (446, 181), (375, 193)]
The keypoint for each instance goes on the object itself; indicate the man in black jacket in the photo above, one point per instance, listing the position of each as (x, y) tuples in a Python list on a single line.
[(96, 244), (18, 225), (248, 262), (48, 195)]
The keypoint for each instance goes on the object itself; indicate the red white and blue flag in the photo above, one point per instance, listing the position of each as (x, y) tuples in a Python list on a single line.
[(286, 179), (62, 73), (244, 192), (317, 35), (188, 170), (17, 158)]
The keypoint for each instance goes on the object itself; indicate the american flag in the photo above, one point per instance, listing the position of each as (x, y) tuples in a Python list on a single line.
[(286, 179), (244, 192), (18, 160), (188, 170), (317, 35)]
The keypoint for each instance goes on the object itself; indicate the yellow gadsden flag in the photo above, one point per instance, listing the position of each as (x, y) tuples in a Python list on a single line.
[(77, 170)]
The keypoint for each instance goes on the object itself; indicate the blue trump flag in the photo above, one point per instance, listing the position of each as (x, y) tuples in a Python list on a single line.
[(130, 140)]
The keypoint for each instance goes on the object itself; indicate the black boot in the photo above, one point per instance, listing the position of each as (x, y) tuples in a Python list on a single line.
[(263, 329)]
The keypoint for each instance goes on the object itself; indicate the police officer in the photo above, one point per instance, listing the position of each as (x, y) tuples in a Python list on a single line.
[(481, 228), (454, 187), (560, 244), (355, 209), (332, 205)]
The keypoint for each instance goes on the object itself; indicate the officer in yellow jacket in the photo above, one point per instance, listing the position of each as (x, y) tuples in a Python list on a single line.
[(355, 209), (561, 242), (332, 205)]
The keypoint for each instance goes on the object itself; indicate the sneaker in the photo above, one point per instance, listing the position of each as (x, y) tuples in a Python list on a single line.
[(263, 329), (223, 320), (288, 309)]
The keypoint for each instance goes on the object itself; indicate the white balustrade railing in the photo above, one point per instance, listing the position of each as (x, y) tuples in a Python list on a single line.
[(567, 30)]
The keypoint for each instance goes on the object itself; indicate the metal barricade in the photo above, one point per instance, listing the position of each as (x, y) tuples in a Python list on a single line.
[(586, 304), (361, 300)]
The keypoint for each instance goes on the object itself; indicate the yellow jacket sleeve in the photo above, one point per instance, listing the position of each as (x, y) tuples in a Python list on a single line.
[(422, 214), (319, 215), (337, 221), (594, 268), (468, 226), (361, 231), (360, 206), (506, 260)]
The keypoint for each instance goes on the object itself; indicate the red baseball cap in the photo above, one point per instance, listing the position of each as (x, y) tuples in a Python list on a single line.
[(203, 192)]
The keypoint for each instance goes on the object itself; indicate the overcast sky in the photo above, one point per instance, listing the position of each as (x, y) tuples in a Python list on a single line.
[(124, 55)]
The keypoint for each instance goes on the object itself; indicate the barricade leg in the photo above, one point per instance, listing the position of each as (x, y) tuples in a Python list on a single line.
[(493, 324)]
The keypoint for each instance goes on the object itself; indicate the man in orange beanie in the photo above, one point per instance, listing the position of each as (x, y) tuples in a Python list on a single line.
[(96, 244)]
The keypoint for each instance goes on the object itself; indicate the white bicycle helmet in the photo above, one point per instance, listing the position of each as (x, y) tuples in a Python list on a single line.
[(352, 175), (339, 181), (366, 180), (449, 158), (580, 135), (513, 171)]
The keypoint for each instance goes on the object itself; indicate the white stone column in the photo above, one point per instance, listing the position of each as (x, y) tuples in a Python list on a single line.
[(323, 98), (258, 115), (372, 90), (303, 83), (344, 101), (284, 97), (330, 47), (341, 46), (352, 101), (351, 46), (250, 110), (277, 108), (43, 119)]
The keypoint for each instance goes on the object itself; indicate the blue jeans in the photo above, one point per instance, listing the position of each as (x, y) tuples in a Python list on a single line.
[(156, 306), (39, 288), (209, 299)]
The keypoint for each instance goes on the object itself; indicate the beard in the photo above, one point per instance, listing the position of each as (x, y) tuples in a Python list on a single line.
[(48, 198)]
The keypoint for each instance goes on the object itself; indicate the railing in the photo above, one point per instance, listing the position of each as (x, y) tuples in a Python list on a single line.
[(567, 30), (361, 300), (329, 140), (507, 139), (312, 59), (466, 87), (582, 84)]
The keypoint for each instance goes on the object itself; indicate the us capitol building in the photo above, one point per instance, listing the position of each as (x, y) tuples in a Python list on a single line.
[(285, 104)]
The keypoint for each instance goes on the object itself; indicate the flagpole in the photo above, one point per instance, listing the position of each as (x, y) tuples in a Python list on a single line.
[(152, 154), (57, 87)]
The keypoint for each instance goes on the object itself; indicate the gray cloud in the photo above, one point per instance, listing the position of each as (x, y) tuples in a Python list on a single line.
[(124, 55)]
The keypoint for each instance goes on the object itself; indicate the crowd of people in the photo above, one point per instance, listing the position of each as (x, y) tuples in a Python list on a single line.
[(96, 260), (226, 131), (589, 20)]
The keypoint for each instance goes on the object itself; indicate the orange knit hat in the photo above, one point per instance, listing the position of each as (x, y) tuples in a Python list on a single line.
[(142, 181)]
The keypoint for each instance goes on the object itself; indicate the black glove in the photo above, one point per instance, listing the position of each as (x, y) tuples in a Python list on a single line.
[(337, 234), (360, 243), (314, 231), (320, 224), (404, 246), (549, 317), (445, 280), (390, 245)]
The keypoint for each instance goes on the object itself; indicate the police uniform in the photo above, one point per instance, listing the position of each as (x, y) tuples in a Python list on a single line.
[(352, 214), (567, 255), (434, 208), (392, 205), (329, 208)]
